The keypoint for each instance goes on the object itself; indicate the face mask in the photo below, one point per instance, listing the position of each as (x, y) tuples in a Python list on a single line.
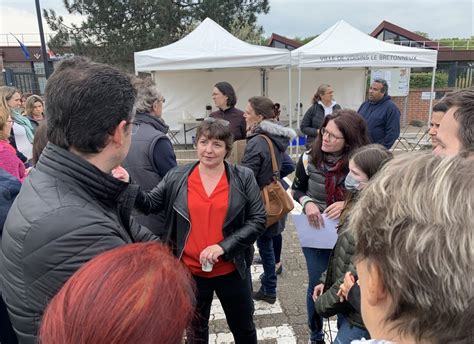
[(351, 184)]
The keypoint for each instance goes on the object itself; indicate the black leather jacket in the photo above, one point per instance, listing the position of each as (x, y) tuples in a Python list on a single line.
[(245, 219)]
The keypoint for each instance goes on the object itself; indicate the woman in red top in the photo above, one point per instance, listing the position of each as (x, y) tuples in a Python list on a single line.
[(214, 214), (8, 159)]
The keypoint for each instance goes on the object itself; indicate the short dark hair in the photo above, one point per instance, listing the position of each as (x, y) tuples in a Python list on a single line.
[(262, 106), (85, 101), (217, 129), (227, 90), (384, 84), (464, 115), (353, 128), (440, 107)]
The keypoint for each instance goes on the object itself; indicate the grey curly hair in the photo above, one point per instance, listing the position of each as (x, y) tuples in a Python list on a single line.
[(415, 222), (147, 94)]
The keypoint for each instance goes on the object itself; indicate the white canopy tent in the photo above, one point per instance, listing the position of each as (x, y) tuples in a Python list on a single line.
[(187, 70), (344, 46)]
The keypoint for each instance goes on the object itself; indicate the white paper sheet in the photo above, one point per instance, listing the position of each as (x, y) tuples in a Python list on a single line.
[(324, 237)]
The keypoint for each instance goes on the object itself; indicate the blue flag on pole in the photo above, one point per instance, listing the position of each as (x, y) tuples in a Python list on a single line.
[(23, 47)]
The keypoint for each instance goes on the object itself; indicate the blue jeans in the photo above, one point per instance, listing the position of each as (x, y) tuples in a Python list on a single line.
[(316, 263), (269, 279), (347, 332)]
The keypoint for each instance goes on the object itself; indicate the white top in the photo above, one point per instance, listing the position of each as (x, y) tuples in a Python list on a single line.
[(327, 109), (22, 143)]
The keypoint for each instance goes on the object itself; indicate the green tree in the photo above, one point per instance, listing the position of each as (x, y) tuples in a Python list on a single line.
[(305, 40), (458, 43), (421, 33), (113, 29)]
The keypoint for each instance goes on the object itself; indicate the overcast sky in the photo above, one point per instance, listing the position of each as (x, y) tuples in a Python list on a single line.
[(303, 18)]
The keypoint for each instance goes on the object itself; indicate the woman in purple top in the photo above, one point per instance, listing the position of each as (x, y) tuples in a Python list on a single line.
[(224, 98)]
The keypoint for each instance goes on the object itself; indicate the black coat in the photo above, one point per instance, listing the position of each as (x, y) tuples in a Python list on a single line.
[(312, 120), (67, 212), (244, 222), (9, 188), (258, 158)]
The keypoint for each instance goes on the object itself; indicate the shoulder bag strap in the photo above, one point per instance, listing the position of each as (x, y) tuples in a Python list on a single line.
[(272, 152)]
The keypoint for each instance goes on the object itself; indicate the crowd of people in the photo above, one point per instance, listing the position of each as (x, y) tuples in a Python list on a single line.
[(105, 239)]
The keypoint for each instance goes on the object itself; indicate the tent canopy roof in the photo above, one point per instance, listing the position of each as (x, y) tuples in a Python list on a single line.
[(206, 47), (342, 45)]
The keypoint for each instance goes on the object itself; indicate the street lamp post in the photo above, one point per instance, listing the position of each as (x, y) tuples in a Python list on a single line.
[(43, 43)]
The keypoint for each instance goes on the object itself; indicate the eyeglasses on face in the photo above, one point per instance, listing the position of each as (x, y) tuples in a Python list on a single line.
[(331, 136)]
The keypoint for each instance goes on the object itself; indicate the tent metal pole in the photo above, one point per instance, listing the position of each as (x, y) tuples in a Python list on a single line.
[(289, 105), (431, 95), (298, 108), (365, 81)]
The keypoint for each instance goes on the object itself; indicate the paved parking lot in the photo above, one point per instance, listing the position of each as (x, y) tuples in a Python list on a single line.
[(284, 321)]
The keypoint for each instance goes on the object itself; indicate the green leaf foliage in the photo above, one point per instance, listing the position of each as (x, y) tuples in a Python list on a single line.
[(114, 29), (423, 80)]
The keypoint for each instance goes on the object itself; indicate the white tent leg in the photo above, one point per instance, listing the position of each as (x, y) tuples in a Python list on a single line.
[(431, 95), (289, 106), (298, 108)]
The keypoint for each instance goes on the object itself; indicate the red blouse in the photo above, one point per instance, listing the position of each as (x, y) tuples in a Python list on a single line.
[(207, 215)]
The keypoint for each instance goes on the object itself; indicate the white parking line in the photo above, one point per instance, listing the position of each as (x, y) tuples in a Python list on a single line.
[(261, 308), (283, 334), (256, 271)]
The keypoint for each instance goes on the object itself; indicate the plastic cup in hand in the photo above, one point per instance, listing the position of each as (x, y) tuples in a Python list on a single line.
[(207, 266)]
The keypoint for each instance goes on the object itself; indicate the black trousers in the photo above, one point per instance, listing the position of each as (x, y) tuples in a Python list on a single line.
[(235, 295), (7, 335)]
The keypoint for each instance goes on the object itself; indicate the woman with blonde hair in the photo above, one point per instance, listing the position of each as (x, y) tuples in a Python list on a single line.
[(8, 159), (414, 231), (34, 108), (21, 136), (323, 105)]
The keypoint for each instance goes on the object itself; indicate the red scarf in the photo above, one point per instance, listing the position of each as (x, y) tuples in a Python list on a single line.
[(333, 172)]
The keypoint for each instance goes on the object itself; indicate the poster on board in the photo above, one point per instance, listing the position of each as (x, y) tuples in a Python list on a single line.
[(398, 80)]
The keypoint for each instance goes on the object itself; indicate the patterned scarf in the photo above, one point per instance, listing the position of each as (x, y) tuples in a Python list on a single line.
[(333, 172), (25, 123)]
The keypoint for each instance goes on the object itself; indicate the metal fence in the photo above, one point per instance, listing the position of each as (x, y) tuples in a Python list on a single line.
[(32, 80)]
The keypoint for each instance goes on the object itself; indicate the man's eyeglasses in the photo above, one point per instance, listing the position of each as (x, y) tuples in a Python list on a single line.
[(331, 136)]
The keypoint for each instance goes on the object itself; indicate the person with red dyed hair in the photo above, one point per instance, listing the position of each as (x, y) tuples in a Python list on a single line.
[(138, 293)]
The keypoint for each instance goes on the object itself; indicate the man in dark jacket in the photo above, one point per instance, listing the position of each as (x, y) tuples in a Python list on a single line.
[(381, 114), (70, 209), (151, 153)]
